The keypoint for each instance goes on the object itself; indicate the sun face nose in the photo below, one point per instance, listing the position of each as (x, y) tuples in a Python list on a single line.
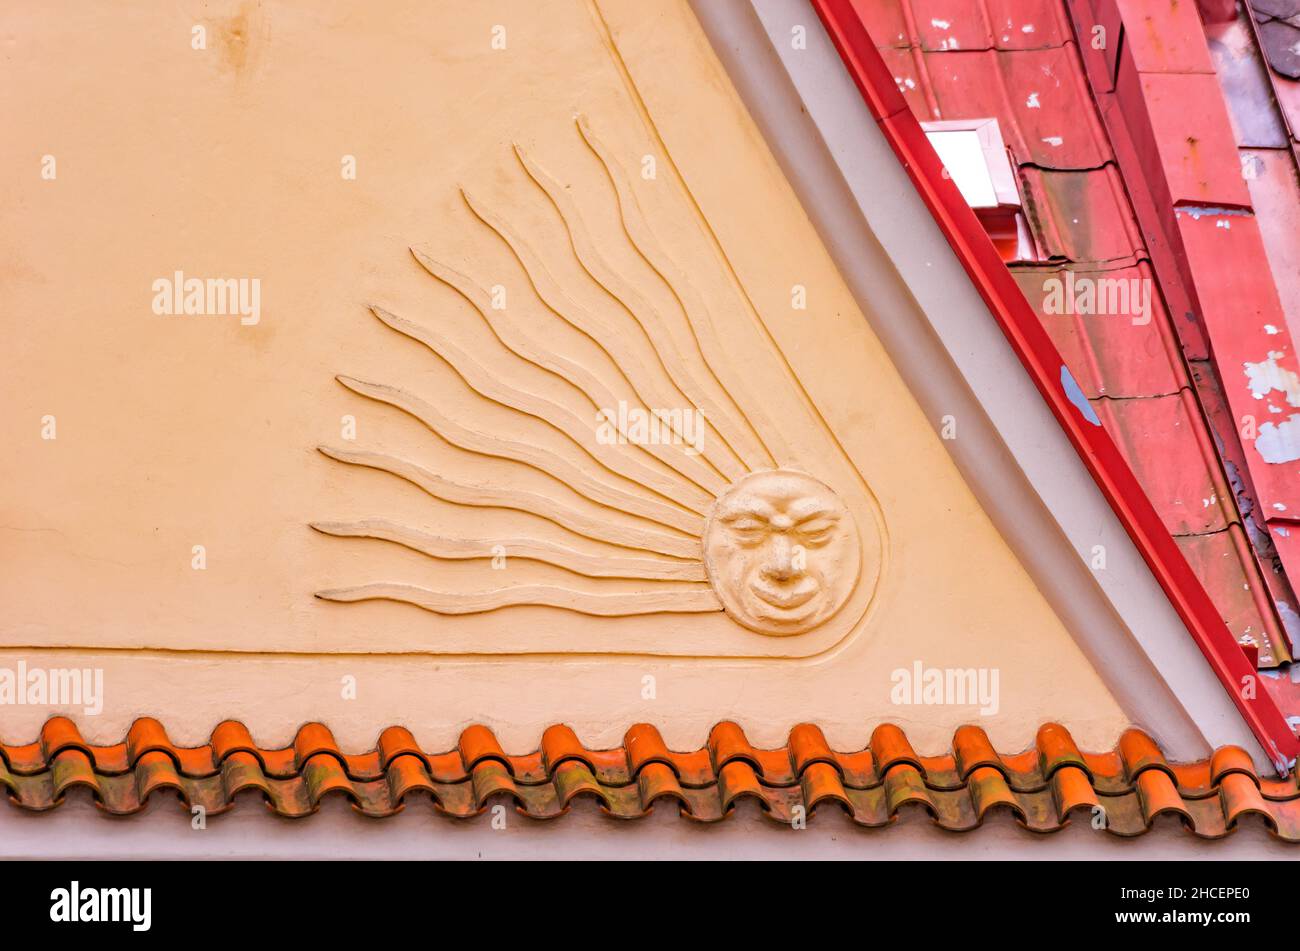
[(779, 565)]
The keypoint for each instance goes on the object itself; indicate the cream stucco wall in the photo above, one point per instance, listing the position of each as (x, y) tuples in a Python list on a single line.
[(181, 431)]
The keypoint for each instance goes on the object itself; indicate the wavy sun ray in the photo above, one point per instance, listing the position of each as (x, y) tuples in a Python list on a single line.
[(533, 549), (757, 453), (596, 528), (581, 433), (617, 604), (593, 487), (647, 317), (597, 392)]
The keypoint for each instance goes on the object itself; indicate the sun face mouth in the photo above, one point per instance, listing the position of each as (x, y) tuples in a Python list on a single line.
[(786, 597)]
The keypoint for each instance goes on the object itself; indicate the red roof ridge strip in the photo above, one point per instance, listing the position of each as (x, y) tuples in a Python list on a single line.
[(1030, 341)]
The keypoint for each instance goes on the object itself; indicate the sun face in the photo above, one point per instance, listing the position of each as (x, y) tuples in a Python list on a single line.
[(782, 552)]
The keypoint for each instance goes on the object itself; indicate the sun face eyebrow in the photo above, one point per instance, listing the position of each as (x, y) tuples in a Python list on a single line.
[(807, 510), (747, 508)]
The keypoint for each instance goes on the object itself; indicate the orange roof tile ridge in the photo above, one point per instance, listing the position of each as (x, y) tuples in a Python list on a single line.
[(1041, 788)]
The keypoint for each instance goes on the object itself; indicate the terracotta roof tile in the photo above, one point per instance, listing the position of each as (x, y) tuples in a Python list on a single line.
[(1041, 788), (960, 24), (1262, 104)]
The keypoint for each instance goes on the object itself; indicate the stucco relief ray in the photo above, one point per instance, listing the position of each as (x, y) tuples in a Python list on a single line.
[(723, 525)]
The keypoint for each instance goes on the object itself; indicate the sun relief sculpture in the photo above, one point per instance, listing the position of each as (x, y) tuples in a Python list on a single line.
[(694, 499), (782, 552)]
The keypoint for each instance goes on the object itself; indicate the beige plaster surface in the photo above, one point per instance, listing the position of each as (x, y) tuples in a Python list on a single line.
[(183, 431)]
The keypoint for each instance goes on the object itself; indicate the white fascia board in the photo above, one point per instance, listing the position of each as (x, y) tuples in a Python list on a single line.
[(80, 831)]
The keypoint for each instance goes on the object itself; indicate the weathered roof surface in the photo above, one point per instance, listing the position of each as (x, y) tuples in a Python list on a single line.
[(1043, 788), (1278, 29), (1255, 261), (1254, 62), (1233, 660), (967, 59)]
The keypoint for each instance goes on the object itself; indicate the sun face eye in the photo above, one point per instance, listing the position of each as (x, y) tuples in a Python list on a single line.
[(748, 529), (817, 532)]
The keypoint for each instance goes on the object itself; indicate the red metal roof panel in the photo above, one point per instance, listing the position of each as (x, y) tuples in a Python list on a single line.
[(1164, 36), (1000, 24), (942, 25), (1288, 95), (1166, 447), (1080, 216), (964, 24), (1033, 346), (1188, 147), (1100, 24), (907, 67), (1286, 538), (1253, 353), (1110, 354), (1217, 558), (1039, 98), (1275, 195)]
